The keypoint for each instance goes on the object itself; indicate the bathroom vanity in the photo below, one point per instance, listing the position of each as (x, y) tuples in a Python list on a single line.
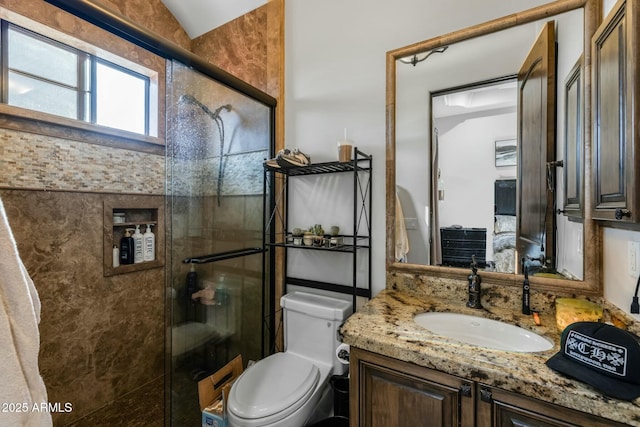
[(402, 374), (401, 393)]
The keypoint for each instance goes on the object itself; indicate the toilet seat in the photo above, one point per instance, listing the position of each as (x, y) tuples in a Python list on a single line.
[(273, 388)]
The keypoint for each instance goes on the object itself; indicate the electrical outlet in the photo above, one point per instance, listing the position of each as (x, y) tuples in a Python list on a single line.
[(633, 258)]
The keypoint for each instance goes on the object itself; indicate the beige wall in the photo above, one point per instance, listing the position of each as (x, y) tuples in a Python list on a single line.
[(249, 47)]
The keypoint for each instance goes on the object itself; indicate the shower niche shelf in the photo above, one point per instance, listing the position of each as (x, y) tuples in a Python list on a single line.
[(356, 244), (137, 210)]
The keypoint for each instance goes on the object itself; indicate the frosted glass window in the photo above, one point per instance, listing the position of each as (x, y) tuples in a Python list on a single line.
[(39, 95), (120, 98), (45, 75), (41, 57)]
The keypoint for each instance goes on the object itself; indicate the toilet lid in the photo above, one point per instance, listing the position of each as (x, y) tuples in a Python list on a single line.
[(279, 383)]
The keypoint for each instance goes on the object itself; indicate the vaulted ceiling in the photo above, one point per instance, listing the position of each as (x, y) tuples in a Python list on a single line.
[(198, 17)]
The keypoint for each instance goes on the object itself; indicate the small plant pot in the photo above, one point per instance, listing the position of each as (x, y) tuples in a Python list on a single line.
[(307, 240), (335, 241)]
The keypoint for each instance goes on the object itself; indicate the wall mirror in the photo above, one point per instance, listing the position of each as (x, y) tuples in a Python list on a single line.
[(463, 176)]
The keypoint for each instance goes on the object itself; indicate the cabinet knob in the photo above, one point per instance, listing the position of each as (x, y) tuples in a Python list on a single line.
[(621, 213), (486, 395), (465, 390)]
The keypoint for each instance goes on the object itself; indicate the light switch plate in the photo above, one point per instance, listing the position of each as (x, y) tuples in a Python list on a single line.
[(411, 223)]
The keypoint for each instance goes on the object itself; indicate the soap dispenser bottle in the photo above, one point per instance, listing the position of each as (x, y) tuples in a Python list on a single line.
[(116, 256), (149, 244), (138, 256), (192, 284), (126, 247)]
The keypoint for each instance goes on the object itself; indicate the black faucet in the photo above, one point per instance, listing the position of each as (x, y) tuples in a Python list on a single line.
[(526, 302), (474, 285)]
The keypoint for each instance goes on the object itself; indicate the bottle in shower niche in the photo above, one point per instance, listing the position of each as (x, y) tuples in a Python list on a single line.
[(126, 247), (149, 240), (138, 251), (116, 256)]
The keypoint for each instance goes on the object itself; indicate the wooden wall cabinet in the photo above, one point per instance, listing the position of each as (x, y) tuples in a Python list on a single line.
[(389, 392), (616, 175)]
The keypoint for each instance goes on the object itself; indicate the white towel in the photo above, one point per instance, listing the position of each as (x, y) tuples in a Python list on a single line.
[(22, 390), (402, 239)]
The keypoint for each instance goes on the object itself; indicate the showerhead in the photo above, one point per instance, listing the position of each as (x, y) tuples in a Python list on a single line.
[(188, 99), (226, 107), (215, 116)]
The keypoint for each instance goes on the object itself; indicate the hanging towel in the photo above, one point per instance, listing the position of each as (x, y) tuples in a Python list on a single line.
[(402, 239), (23, 395)]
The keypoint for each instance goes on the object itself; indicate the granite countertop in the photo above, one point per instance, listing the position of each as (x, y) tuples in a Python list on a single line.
[(385, 326)]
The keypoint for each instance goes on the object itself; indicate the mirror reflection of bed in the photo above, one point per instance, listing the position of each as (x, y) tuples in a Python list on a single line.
[(504, 228), (474, 164)]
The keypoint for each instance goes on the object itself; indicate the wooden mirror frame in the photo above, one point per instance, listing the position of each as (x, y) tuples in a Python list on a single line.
[(592, 239)]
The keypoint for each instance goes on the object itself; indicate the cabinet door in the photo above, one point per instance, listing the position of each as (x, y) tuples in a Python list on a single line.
[(615, 174), (573, 140), (536, 147), (499, 408), (387, 392)]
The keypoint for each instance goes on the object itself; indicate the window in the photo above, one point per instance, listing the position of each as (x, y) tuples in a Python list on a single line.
[(48, 76), (121, 98)]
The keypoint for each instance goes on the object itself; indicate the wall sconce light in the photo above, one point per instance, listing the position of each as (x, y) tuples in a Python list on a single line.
[(413, 60)]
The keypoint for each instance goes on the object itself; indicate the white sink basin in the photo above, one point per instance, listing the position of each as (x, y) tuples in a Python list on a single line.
[(483, 332)]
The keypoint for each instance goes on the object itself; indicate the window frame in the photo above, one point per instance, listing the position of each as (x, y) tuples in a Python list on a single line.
[(94, 60), (103, 44), (86, 69)]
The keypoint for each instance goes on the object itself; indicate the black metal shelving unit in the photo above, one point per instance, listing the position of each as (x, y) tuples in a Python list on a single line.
[(356, 244)]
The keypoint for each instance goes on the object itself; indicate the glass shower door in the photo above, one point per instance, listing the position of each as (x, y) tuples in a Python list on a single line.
[(217, 140)]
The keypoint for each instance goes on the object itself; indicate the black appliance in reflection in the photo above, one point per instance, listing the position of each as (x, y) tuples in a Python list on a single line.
[(505, 196), (460, 244)]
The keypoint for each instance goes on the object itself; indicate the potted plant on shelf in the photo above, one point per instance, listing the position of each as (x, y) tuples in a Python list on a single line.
[(318, 234), (307, 238)]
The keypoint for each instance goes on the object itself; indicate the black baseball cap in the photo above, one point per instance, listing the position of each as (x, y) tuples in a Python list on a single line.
[(601, 355)]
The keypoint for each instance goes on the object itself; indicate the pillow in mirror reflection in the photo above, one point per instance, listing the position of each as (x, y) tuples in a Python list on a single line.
[(504, 223)]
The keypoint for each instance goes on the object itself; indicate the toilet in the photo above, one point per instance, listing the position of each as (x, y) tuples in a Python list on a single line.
[(284, 389)]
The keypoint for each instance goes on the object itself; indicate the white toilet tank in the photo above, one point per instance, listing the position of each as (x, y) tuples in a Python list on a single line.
[(311, 325)]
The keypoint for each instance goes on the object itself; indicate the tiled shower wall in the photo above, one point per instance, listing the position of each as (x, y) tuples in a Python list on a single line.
[(31, 161), (102, 338)]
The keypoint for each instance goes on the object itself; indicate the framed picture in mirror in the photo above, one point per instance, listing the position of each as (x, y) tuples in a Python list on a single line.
[(506, 152)]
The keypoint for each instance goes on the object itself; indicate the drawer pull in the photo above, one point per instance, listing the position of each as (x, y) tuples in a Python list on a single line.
[(621, 213), (485, 395), (465, 390)]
